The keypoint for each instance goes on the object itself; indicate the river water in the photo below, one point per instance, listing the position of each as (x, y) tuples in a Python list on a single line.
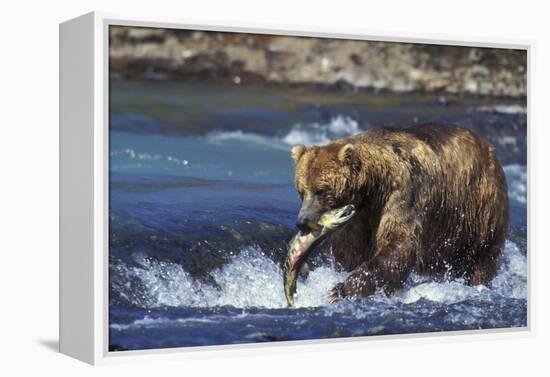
[(202, 204)]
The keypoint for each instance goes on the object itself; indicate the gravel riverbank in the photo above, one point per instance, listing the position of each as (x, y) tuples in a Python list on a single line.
[(150, 53)]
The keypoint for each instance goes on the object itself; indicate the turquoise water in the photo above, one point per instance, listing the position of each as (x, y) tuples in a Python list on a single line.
[(202, 204)]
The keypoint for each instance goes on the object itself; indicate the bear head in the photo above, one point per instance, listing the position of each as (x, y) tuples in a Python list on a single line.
[(325, 180)]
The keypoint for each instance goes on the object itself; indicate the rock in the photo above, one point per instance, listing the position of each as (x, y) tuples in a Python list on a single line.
[(340, 64)]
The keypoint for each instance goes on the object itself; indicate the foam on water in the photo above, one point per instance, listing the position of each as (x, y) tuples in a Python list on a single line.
[(504, 109), (156, 322), (252, 279), (133, 155), (218, 137), (320, 134), (309, 134), (132, 159), (516, 176)]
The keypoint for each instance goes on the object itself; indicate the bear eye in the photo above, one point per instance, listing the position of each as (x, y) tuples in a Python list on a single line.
[(320, 191)]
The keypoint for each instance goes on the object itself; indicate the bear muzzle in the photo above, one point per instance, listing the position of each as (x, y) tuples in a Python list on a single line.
[(308, 218)]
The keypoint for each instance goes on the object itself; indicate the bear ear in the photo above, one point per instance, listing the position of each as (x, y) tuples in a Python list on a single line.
[(297, 152), (347, 155)]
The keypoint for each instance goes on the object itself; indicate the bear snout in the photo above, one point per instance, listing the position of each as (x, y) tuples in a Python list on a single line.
[(310, 214), (308, 218), (302, 224)]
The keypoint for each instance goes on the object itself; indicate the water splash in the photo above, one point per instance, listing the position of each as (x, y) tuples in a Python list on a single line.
[(510, 282), (252, 279)]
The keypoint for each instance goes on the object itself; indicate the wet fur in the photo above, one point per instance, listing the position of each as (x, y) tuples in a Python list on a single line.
[(430, 198)]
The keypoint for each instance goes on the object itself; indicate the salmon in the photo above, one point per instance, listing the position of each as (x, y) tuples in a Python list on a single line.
[(302, 244)]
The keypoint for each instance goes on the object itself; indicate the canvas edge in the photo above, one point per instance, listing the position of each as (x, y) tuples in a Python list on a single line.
[(531, 192), (76, 190), (100, 340)]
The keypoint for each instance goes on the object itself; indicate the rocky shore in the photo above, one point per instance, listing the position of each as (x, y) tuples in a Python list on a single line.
[(149, 53)]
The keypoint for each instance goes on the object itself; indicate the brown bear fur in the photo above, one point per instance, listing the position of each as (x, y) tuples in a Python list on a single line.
[(430, 199)]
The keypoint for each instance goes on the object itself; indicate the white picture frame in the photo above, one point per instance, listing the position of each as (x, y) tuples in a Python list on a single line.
[(84, 161)]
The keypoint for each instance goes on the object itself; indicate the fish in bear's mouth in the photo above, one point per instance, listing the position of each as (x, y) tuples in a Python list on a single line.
[(302, 244)]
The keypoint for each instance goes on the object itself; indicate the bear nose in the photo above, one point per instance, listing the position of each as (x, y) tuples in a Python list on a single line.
[(303, 225)]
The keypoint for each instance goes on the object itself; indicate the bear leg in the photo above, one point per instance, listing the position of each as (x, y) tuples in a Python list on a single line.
[(397, 241), (389, 268), (360, 283), (485, 267)]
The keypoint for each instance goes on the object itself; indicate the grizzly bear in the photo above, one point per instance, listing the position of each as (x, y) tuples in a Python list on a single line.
[(430, 199)]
